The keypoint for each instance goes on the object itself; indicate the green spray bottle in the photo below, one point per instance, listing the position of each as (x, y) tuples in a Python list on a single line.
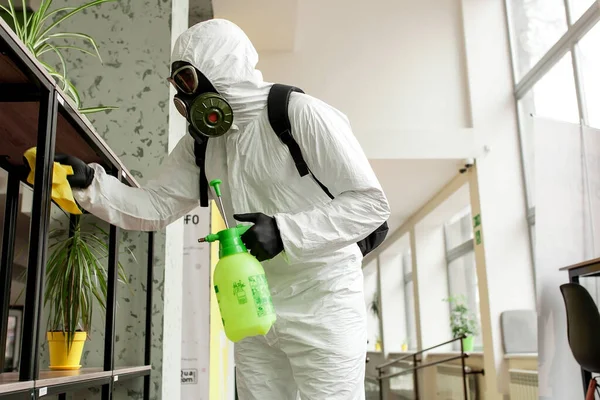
[(240, 283)]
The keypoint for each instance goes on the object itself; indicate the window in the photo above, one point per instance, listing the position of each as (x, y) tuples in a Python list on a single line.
[(460, 256), (589, 57), (371, 291), (531, 222), (397, 297), (409, 302), (462, 282), (458, 230), (536, 25), (552, 97), (578, 7), (554, 89)]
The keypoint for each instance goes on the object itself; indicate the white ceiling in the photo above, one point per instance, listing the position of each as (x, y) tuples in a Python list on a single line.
[(409, 184), (270, 24)]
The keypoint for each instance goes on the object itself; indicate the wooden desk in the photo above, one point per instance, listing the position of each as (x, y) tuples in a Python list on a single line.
[(584, 269)]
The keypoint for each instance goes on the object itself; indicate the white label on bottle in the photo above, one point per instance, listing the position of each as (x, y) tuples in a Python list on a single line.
[(43, 391)]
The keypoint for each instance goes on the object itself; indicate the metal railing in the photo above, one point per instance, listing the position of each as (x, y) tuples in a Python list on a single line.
[(416, 360)]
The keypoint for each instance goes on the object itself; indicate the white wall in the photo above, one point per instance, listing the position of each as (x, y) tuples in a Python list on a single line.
[(406, 60), (560, 241), (434, 79)]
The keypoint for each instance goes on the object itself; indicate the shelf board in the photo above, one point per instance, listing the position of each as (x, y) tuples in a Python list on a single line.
[(55, 382), (52, 378), (75, 135), (37, 75), (19, 133), (9, 383), (124, 373)]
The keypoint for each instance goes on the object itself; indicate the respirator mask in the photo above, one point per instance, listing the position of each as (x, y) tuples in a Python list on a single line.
[(208, 113)]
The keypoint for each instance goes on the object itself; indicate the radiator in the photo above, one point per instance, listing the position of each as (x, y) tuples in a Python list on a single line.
[(523, 384), (450, 384)]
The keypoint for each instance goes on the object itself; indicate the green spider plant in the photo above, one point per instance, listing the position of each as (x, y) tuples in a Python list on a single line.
[(76, 278), (37, 30)]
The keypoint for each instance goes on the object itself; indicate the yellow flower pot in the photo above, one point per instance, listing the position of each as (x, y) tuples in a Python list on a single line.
[(60, 357)]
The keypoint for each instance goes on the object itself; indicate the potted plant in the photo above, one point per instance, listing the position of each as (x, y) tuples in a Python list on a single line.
[(462, 322), (37, 30), (76, 281)]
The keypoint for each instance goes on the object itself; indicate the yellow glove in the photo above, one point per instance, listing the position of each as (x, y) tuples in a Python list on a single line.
[(61, 190)]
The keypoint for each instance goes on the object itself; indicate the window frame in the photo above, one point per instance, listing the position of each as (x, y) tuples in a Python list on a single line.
[(409, 301), (576, 30), (458, 251)]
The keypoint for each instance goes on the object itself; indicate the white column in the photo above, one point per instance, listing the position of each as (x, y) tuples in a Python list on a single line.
[(171, 345), (504, 267)]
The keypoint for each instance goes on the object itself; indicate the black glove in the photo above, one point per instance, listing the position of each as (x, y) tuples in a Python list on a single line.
[(263, 239), (83, 175)]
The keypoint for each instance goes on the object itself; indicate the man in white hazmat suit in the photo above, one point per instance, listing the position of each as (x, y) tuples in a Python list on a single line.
[(307, 241)]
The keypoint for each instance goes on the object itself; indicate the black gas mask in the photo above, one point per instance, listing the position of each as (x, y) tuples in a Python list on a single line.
[(208, 113)]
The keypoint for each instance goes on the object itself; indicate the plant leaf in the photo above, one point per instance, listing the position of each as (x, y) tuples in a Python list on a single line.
[(91, 110), (62, 63), (13, 14), (76, 280), (53, 12), (25, 21), (45, 32), (72, 91), (38, 18), (44, 49), (6, 10), (71, 35)]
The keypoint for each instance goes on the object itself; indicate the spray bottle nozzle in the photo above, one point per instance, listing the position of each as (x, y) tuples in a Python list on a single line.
[(226, 235), (210, 238)]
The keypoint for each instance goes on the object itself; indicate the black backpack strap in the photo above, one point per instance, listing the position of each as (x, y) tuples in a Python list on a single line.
[(200, 154), (277, 108)]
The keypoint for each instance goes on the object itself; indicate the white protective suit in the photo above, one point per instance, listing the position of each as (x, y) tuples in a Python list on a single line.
[(317, 347)]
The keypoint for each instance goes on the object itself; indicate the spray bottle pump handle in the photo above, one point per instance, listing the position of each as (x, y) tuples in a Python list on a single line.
[(216, 184)]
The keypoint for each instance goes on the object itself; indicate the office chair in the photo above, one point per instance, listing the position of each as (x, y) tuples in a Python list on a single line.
[(583, 331)]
